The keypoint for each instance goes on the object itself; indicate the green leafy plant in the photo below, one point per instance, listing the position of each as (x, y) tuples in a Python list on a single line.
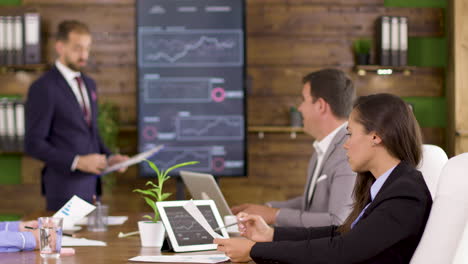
[(362, 46), (155, 192), (108, 124), (109, 131)]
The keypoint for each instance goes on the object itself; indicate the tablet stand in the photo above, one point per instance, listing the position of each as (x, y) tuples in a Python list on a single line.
[(167, 246)]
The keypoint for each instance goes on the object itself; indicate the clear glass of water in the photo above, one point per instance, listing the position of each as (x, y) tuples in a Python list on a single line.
[(98, 219), (50, 236)]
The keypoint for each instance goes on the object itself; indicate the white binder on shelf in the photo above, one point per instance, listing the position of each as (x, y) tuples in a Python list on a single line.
[(384, 49), (394, 41), (9, 40), (20, 130), (2, 40), (10, 125), (18, 40), (403, 58), (3, 131), (32, 33)]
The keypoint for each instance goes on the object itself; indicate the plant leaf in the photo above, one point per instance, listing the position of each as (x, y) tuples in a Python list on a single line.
[(151, 183), (146, 192), (164, 196), (148, 217), (180, 165), (153, 166), (151, 203)]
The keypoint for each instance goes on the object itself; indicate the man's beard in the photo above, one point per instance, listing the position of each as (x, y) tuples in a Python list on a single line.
[(74, 66)]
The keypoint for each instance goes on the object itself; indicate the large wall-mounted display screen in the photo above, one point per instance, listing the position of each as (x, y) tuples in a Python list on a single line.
[(191, 71)]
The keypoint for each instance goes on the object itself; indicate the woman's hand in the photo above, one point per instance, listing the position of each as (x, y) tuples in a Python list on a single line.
[(254, 228), (237, 249), (35, 229), (22, 225)]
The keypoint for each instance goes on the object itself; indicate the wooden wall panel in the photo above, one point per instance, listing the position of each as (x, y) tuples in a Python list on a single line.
[(286, 39), (434, 136), (304, 51), (337, 21), (422, 82), (287, 80), (317, 2), (249, 2), (270, 110), (458, 84)]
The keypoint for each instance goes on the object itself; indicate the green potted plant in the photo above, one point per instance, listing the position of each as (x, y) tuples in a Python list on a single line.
[(152, 231), (109, 131), (362, 49)]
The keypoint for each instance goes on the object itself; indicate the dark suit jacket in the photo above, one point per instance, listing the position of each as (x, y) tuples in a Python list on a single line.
[(388, 232), (56, 131)]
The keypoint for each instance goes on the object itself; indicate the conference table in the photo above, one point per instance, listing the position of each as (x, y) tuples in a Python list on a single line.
[(118, 250)]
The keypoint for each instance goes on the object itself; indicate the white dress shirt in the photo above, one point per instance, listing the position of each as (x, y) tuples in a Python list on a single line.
[(70, 76)]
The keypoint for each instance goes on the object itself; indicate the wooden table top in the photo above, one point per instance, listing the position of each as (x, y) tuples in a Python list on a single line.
[(118, 250)]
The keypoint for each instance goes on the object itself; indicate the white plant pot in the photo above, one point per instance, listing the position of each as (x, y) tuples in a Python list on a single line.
[(151, 234)]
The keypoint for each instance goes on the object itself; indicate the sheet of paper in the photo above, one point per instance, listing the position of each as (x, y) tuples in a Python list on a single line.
[(192, 209), (133, 160), (81, 242), (111, 220), (215, 258), (73, 210)]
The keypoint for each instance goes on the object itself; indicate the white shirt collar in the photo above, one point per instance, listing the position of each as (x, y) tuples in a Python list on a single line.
[(66, 72), (321, 146)]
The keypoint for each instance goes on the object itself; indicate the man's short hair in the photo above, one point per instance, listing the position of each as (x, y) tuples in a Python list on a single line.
[(334, 87), (67, 26)]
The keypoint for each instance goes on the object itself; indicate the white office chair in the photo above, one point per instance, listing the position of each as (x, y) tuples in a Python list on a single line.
[(461, 255), (433, 160), (448, 217)]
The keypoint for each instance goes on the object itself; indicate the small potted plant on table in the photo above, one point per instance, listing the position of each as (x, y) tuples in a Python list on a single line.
[(152, 231)]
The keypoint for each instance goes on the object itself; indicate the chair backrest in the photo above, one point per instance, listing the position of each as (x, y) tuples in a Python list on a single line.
[(432, 162), (448, 216), (461, 255)]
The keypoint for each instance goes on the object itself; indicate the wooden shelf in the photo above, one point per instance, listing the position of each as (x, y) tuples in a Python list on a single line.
[(362, 70), (2, 152), (461, 133), (127, 128), (261, 130), (26, 67), (275, 129)]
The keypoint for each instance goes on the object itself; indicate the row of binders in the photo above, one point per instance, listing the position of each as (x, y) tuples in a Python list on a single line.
[(393, 41), (20, 39), (12, 125)]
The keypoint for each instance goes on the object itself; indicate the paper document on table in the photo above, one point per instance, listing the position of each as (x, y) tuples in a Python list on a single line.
[(111, 220), (81, 242), (75, 209), (215, 258), (133, 160), (192, 209)]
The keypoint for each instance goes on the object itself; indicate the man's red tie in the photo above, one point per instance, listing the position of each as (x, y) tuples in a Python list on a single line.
[(87, 113)]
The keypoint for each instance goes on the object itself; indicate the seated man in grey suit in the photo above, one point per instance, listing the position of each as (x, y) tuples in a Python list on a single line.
[(327, 101)]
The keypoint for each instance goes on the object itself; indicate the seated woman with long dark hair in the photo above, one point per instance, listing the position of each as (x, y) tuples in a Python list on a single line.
[(391, 200)]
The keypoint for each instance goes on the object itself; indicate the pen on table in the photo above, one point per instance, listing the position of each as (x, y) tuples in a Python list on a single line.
[(219, 228), (63, 233)]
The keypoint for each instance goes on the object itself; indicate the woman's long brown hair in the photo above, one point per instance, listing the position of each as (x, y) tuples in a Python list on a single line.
[(392, 119)]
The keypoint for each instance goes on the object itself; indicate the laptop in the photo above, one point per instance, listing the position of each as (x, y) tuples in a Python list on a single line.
[(203, 186)]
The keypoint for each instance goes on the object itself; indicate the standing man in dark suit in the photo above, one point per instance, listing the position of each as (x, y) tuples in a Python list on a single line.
[(61, 122), (327, 101)]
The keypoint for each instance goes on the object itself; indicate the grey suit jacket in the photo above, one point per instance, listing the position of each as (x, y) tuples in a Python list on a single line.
[(332, 198)]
